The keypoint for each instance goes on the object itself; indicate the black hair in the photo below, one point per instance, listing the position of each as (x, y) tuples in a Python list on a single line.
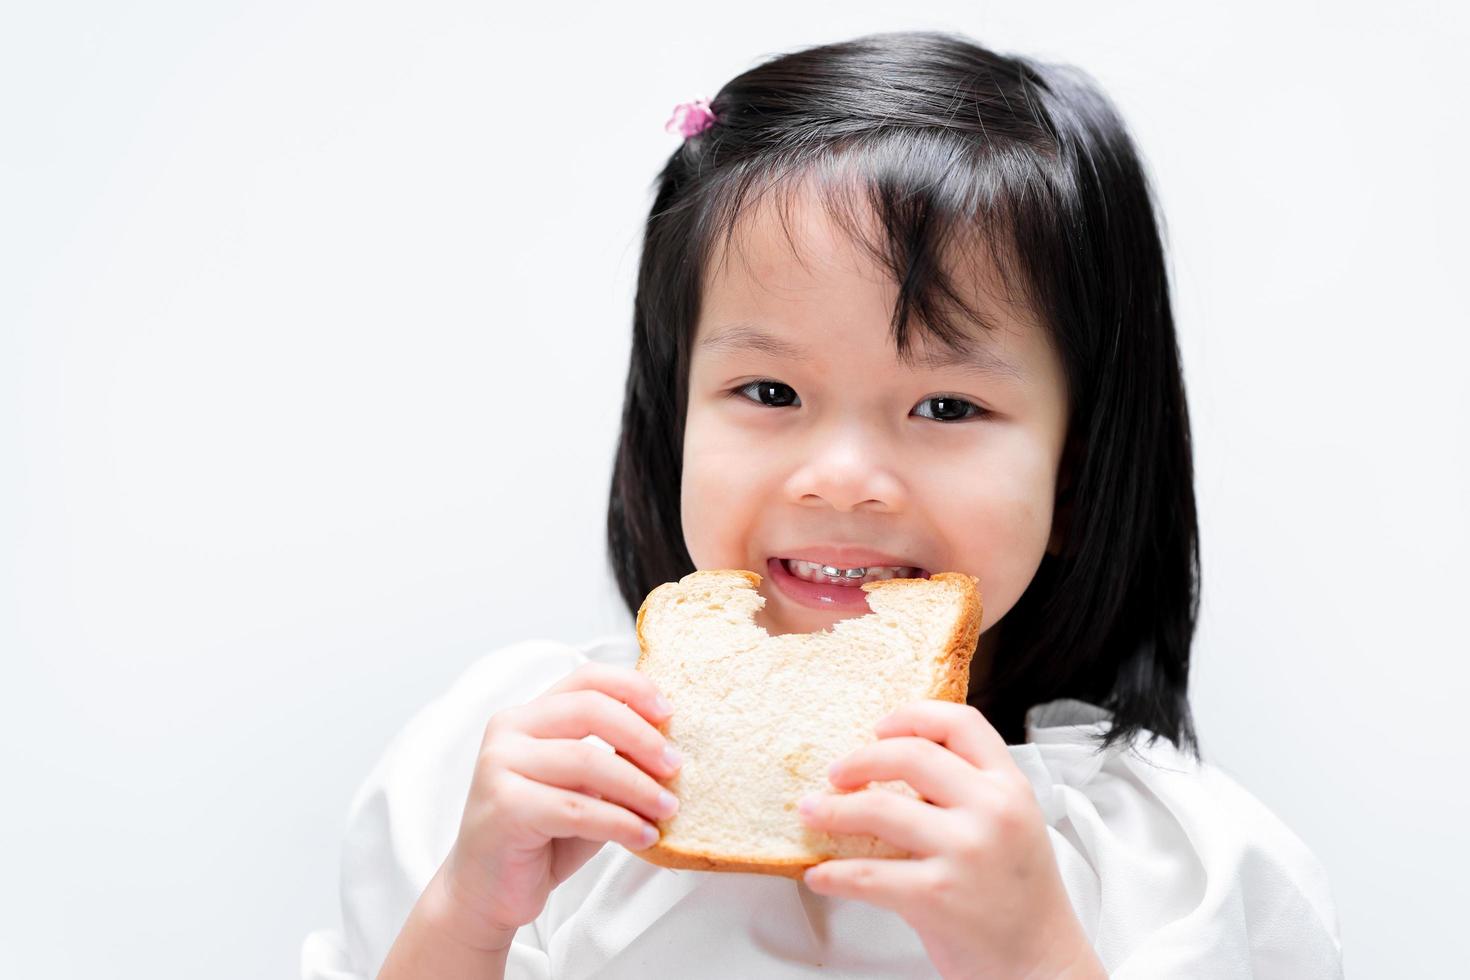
[(953, 143)]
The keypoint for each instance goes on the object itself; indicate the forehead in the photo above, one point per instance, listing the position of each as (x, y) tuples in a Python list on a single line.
[(806, 259), (789, 236)]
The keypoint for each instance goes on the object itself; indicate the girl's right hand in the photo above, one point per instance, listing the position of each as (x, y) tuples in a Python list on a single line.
[(542, 801)]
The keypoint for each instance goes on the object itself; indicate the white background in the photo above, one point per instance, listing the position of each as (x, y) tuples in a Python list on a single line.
[(313, 325)]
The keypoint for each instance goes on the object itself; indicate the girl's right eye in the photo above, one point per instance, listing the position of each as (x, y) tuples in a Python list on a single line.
[(773, 394)]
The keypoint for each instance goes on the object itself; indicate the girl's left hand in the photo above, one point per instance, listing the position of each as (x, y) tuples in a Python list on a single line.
[(982, 889)]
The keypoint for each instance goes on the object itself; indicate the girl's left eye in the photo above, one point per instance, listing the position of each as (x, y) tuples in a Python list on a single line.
[(950, 409), (946, 408)]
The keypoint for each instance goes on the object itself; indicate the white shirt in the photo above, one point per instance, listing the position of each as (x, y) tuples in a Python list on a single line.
[(1173, 869)]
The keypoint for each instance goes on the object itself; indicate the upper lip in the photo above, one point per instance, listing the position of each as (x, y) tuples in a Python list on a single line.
[(841, 556)]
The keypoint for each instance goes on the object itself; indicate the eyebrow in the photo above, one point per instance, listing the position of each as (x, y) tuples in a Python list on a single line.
[(976, 359)]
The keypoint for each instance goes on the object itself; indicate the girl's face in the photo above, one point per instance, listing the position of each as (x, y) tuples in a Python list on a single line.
[(806, 437)]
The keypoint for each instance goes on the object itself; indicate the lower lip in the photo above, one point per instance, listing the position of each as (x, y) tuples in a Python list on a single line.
[(815, 595)]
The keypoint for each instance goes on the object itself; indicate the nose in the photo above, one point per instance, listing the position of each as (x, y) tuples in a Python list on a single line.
[(847, 470)]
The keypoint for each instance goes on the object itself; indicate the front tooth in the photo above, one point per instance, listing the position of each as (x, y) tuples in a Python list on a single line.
[(814, 572)]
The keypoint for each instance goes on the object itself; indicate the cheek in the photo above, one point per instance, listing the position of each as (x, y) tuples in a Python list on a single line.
[(1002, 526), (721, 490)]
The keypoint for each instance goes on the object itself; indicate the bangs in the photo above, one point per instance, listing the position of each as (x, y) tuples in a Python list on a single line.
[(934, 209)]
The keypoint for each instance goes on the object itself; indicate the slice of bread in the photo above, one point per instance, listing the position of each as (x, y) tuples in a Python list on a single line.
[(759, 718)]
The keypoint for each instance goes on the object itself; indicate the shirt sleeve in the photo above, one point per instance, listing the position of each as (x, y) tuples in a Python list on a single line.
[(1177, 871), (405, 817)]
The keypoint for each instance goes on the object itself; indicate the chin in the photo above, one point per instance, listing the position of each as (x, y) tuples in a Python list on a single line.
[(778, 618)]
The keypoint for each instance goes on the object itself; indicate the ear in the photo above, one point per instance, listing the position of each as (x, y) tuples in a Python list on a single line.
[(1061, 519)]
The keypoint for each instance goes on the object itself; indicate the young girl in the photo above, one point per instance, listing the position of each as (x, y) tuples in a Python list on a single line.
[(902, 307)]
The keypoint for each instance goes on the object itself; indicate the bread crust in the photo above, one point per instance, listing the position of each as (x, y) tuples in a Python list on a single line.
[(953, 685)]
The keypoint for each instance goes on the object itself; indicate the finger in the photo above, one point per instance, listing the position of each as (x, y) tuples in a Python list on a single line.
[(556, 812), (624, 684), (920, 828), (596, 772), (893, 883), (958, 727), (940, 776), (577, 714)]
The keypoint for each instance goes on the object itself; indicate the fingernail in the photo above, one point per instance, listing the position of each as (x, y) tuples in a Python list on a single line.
[(668, 804), (662, 706), (672, 758), (808, 805), (650, 834)]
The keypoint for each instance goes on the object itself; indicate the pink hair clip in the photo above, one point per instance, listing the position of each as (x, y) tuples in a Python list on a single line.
[(690, 118)]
